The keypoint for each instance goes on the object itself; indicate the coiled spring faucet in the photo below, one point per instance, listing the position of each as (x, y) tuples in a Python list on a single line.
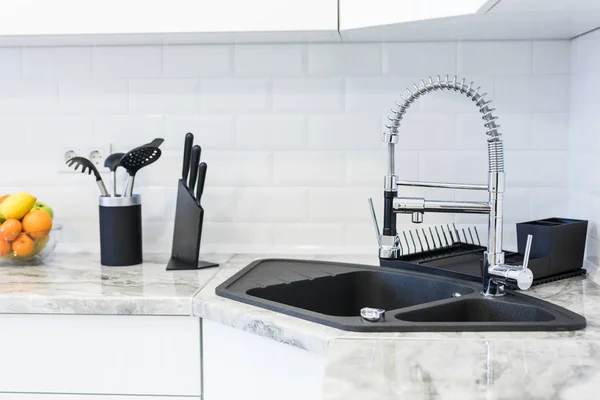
[(496, 274)]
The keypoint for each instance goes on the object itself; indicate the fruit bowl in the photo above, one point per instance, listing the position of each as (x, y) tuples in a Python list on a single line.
[(30, 247)]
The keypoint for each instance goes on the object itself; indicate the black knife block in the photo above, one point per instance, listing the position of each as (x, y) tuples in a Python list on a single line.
[(187, 234)]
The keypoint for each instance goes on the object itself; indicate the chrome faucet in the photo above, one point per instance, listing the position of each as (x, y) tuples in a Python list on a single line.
[(496, 274)]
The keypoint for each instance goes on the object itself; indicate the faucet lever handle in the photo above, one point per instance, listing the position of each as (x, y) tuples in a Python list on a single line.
[(527, 251), (375, 224)]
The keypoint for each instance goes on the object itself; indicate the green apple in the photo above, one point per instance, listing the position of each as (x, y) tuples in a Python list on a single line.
[(41, 206)]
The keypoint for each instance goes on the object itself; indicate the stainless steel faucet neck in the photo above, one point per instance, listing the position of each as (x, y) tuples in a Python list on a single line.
[(495, 272)]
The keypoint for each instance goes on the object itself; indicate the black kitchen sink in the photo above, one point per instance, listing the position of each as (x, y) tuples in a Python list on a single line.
[(334, 293), (347, 293)]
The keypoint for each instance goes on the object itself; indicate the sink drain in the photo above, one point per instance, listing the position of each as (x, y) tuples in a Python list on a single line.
[(369, 314)]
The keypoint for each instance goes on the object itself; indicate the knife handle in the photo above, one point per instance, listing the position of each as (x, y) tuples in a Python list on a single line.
[(194, 168), (201, 180), (187, 152)]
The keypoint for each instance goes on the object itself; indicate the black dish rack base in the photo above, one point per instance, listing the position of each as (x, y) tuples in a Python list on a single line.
[(464, 261)]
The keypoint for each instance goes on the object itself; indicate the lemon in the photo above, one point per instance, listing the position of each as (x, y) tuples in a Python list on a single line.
[(17, 205)]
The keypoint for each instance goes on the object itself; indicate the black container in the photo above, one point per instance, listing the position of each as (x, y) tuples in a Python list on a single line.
[(561, 240), (120, 231)]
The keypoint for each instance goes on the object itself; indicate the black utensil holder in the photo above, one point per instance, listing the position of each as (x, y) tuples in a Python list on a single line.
[(560, 240), (120, 231), (187, 235)]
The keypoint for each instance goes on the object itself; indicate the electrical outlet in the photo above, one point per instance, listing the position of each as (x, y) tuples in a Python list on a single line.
[(66, 154), (96, 154)]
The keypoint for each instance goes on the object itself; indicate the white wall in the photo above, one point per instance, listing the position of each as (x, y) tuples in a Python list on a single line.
[(291, 133), (584, 142)]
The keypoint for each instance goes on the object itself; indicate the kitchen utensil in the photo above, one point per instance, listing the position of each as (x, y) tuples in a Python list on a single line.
[(87, 165), (156, 142), (201, 180), (113, 162), (189, 215), (135, 160), (194, 168), (120, 231), (187, 153)]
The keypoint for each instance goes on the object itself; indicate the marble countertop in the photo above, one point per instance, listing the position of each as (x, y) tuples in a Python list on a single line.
[(435, 365), (78, 284)]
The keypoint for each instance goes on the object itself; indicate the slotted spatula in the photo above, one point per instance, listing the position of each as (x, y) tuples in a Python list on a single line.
[(135, 160)]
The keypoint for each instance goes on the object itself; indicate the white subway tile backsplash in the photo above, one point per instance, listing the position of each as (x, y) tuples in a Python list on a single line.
[(549, 202), (28, 97), (212, 132), (127, 61), (494, 58), (355, 59), (292, 133), (343, 204), (162, 96), (233, 96), (308, 234), (270, 60), (200, 61), (308, 168), (53, 62), (226, 234), (532, 93), (269, 131), (274, 204), (451, 166), (93, 96), (10, 63), (74, 131), (127, 131), (536, 168), (239, 168), (344, 132), (549, 131), (421, 59), (377, 95), (317, 95), (427, 132), (516, 131), (551, 57)]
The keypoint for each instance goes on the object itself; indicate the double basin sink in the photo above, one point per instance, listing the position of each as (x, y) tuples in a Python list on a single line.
[(334, 294)]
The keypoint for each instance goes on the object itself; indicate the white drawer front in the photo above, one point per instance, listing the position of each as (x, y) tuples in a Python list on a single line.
[(116, 355)]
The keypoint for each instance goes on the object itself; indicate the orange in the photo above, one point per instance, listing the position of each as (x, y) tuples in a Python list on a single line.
[(23, 245), (9, 230), (37, 223), (5, 248), (3, 198)]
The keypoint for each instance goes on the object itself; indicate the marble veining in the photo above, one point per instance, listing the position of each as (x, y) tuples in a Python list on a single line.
[(78, 284), (465, 369)]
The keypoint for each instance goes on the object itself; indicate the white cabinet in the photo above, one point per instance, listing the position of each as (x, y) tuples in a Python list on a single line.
[(171, 21), (99, 355), (242, 365), (433, 20), (359, 13)]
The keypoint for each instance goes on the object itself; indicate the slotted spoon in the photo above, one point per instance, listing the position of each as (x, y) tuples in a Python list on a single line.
[(135, 160)]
